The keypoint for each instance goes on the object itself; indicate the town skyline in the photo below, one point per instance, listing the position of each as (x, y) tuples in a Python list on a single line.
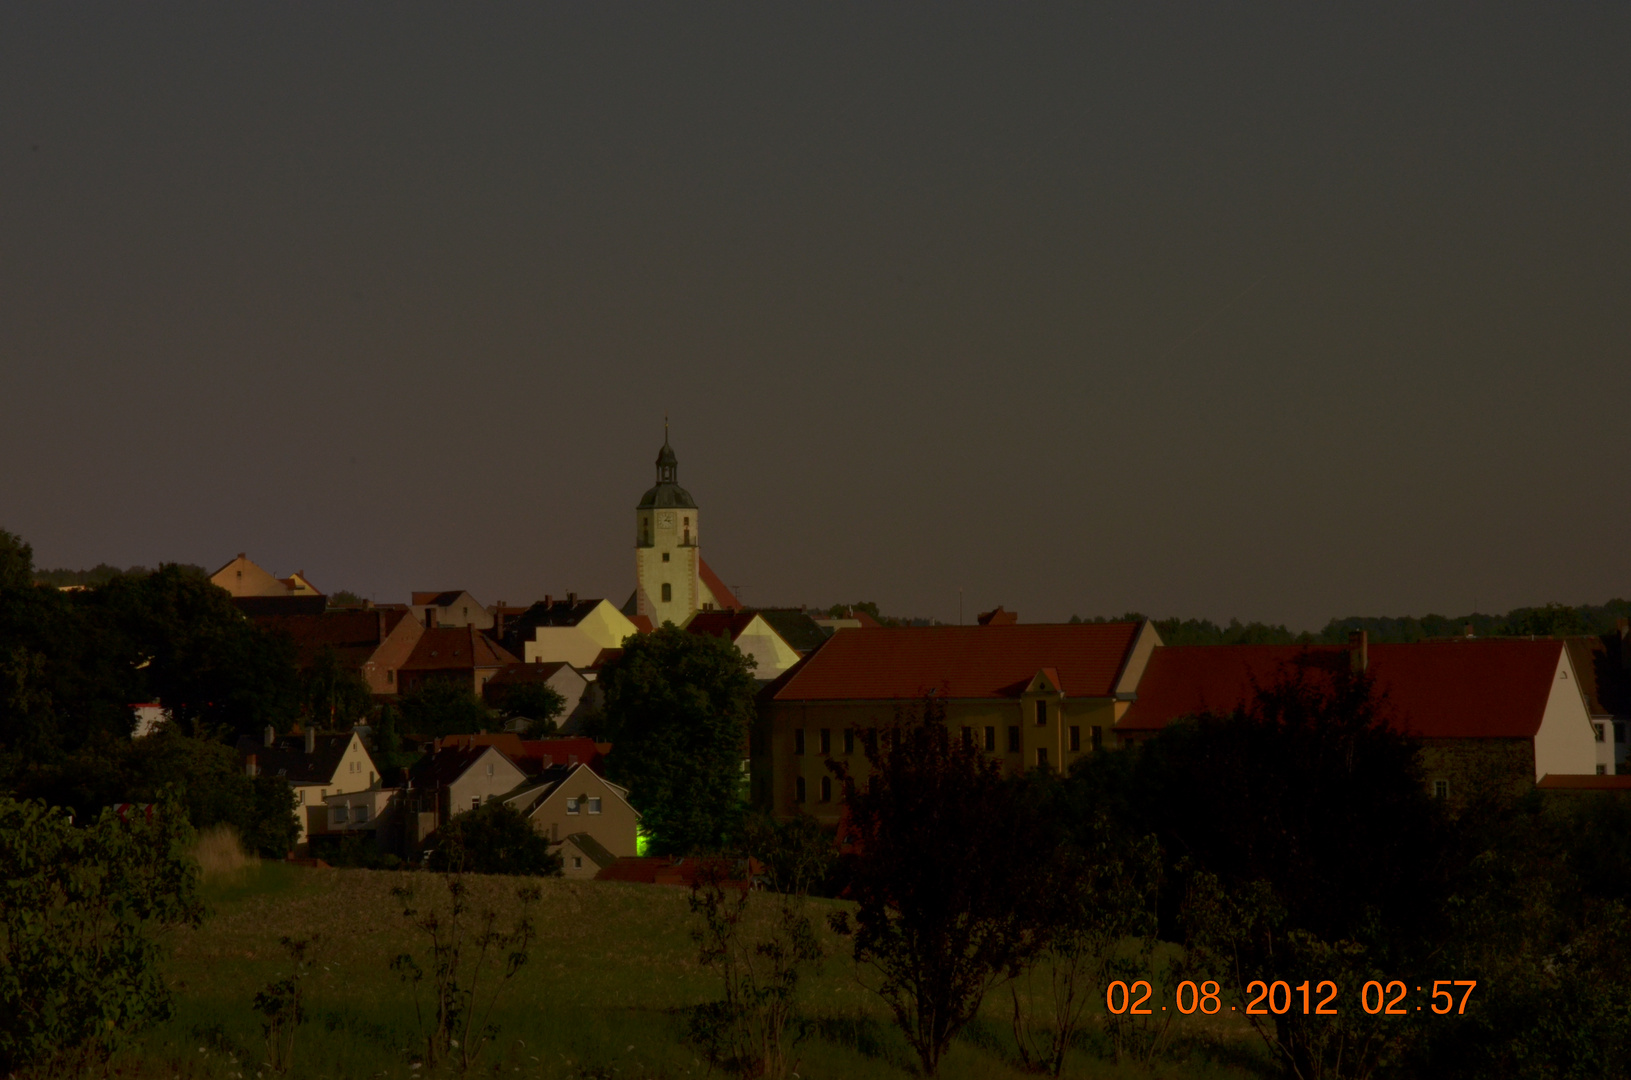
[(1214, 315)]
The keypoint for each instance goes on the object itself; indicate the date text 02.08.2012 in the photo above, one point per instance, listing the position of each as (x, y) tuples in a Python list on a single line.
[(1280, 997)]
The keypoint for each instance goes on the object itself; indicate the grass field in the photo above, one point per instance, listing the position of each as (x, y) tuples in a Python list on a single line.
[(603, 995)]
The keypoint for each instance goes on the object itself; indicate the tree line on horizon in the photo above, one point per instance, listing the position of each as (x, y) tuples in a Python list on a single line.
[(1548, 620)]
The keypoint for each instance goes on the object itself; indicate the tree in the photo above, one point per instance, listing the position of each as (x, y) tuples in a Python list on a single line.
[(213, 669), (492, 839), (334, 696), (678, 707), (16, 562), (440, 707), (538, 703), (80, 911), (1300, 835), (947, 879)]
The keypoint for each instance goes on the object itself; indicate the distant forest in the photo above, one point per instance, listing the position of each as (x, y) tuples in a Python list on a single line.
[(1553, 620), (100, 574)]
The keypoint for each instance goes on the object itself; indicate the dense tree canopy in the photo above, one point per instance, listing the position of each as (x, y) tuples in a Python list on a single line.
[(443, 707), (678, 707), (492, 839)]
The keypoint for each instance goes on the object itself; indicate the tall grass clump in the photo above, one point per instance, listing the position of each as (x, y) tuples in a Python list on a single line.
[(220, 853)]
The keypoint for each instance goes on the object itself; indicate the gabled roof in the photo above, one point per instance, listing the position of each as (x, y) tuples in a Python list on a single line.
[(287, 759), (725, 624), (529, 797), (1459, 689), (354, 635), (531, 756), (450, 762), (436, 599), (456, 648), (592, 849), (997, 617), (899, 663), (1605, 675), (554, 613), (801, 632), (722, 595)]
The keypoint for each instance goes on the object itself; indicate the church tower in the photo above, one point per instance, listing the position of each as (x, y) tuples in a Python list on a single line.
[(667, 559)]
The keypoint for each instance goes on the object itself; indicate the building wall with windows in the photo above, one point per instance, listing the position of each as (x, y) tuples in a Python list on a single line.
[(487, 777), (794, 741)]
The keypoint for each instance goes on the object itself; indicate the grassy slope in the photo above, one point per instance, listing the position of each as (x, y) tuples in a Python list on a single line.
[(600, 997)]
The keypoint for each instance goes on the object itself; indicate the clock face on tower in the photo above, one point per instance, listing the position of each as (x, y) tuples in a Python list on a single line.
[(665, 520)]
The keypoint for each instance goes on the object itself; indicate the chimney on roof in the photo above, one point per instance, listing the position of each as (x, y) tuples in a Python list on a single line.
[(1359, 657), (251, 766), (571, 599), (268, 736), (1469, 631), (549, 601), (311, 740), (430, 617)]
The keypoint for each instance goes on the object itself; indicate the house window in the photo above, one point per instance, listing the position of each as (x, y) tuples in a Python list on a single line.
[(1441, 789), (1098, 737), (1042, 757), (475, 802), (338, 815), (594, 805), (968, 738), (668, 592), (359, 814), (991, 739), (1598, 730), (1013, 740), (390, 675), (1041, 713), (1601, 769), (826, 789), (1075, 738), (572, 806), (826, 740), (489, 770), (798, 740), (849, 740), (577, 862), (665, 556), (798, 789)]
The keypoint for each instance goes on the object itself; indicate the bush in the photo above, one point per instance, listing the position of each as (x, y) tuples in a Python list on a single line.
[(79, 913), (494, 839)]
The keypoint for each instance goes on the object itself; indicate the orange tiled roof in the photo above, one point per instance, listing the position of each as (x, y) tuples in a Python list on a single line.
[(456, 647), (722, 595)]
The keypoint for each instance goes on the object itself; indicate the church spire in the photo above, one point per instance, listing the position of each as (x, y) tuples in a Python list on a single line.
[(667, 463)]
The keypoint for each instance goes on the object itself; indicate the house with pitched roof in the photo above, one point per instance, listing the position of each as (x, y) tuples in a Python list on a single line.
[(1028, 695), (564, 800), (459, 654), (1604, 666), (464, 775), (259, 592), (315, 766), (375, 643), (453, 607), (572, 631), (559, 676), (1484, 711), (751, 633)]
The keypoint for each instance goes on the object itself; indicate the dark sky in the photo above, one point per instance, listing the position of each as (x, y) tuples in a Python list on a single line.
[(1277, 311)]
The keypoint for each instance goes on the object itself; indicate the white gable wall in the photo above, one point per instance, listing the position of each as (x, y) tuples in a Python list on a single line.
[(1566, 743)]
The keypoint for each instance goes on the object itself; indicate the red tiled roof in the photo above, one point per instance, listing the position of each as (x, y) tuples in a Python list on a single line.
[(722, 596), (641, 623), (897, 663), (456, 647), (437, 599), (998, 617), (1459, 689), (1583, 782), (570, 750), (725, 624)]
